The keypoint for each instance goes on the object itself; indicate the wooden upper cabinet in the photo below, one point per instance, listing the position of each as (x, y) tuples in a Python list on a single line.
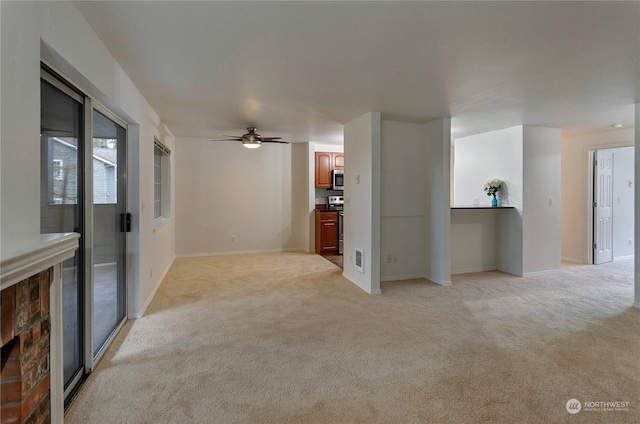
[(325, 163), (324, 166), (338, 161)]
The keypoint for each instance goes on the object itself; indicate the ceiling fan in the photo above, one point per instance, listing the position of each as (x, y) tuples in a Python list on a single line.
[(253, 140)]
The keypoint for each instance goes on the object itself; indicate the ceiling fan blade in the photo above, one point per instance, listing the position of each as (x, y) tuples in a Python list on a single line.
[(275, 141), (229, 139), (239, 137), (271, 138)]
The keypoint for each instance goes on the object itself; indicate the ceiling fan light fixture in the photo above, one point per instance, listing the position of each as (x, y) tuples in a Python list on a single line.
[(252, 140), (251, 144)]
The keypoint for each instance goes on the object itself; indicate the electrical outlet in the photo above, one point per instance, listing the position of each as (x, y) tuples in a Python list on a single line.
[(389, 259), (630, 242), (395, 259), (233, 239)]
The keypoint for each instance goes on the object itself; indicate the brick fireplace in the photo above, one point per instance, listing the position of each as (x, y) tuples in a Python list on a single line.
[(26, 325), (31, 347)]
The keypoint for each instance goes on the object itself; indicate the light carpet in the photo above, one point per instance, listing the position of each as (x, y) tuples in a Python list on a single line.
[(284, 338)]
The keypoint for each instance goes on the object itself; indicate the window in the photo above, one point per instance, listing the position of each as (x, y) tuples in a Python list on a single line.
[(161, 182)]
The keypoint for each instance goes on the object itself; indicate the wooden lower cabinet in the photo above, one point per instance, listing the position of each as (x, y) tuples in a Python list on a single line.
[(327, 236)]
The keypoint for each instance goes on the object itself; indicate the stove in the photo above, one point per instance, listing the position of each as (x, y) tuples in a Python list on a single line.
[(335, 203)]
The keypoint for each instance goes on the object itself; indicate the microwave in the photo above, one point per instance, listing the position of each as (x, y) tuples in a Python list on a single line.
[(337, 179)]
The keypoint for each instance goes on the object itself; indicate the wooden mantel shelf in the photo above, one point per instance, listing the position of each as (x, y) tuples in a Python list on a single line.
[(31, 255)]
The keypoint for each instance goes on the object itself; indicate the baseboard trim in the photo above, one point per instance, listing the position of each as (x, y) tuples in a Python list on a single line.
[(535, 273), (470, 270), (572, 260), (401, 277), (239, 252), (359, 285), (440, 283), (155, 289), (622, 258)]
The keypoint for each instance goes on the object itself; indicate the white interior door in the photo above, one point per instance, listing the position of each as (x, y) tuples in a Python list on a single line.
[(603, 208)]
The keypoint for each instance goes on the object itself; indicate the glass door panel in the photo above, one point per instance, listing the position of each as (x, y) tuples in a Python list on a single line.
[(82, 171), (108, 149), (61, 198)]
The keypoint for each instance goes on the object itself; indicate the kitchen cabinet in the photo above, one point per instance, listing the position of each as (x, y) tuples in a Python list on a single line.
[(325, 163), (327, 236), (338, 161)]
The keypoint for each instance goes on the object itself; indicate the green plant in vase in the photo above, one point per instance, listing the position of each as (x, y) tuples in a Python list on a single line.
[(492, 187)]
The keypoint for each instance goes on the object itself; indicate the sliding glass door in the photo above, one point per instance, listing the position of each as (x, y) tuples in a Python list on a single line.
[(83, 190), (108, 147), (61, 199)]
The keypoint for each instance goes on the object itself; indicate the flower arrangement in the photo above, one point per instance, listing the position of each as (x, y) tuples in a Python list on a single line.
[(492, 187)]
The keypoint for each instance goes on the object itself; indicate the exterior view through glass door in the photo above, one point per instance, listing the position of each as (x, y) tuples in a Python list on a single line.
[(109, 241), (83, 187), (61, 198)]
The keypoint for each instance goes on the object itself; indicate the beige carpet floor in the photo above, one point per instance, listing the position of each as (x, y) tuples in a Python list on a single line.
[(284, 338)]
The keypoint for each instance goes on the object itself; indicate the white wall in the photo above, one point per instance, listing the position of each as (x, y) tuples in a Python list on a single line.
[(496, 235), (224, 190), (482, 157), (438, 193), (575, 186), (541, 199), (403, 180), (362, 200), (474, 240), (301, 214), (57, 32)]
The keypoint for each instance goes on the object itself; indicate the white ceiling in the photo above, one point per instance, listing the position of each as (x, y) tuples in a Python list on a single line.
[(302, 69)]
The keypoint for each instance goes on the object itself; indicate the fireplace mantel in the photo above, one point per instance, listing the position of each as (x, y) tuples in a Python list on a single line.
[(30, 256)]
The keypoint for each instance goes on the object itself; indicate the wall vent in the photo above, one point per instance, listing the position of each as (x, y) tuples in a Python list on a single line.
[(360, 260)]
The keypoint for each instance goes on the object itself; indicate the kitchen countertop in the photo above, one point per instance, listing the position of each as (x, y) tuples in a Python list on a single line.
[(482, 207)]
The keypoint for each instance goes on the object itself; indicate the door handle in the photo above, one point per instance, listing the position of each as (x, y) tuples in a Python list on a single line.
[(125, 222)]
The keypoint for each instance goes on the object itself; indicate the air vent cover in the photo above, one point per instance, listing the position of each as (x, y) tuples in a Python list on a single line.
[(360, 260)]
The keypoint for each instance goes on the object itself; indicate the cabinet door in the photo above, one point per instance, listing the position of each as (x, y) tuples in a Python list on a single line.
[(329, 236), (324, 163), (327, 233), (338, 161)]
